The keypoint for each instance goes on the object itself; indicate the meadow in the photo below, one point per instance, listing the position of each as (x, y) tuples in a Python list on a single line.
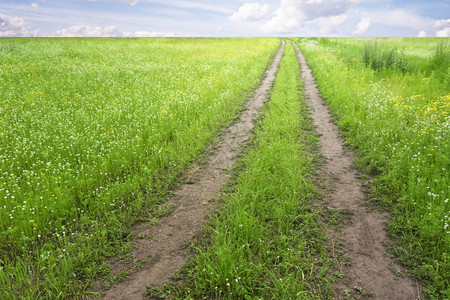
[(391, 99), (93, 134)]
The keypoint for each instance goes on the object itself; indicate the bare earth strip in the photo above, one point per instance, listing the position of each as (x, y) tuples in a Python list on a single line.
[(165, 253), (370, 272)]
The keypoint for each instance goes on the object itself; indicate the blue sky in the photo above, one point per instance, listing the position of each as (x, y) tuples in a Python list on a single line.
[(224, 18)]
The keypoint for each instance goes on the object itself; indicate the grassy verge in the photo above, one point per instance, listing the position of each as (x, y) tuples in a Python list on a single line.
[(266, 242), (391, 99), (93, 133)]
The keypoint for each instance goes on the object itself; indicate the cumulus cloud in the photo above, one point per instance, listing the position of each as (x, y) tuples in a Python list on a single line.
[(284, 21), (107, 31), (443, 33), (251, 12), (422, 33), (441, 24), (90, 31), (131, 2), (442, 28), (292, 14), (362, 26), (400, 18), (326, 24), (150, 34), (14, 27)]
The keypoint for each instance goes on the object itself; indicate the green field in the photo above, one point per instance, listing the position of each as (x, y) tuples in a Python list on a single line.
[(94, 134)]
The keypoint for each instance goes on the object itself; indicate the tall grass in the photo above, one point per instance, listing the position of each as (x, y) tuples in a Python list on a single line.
[(441, 60), (266, 242), (399, 124), (93, 132), (378, 58)]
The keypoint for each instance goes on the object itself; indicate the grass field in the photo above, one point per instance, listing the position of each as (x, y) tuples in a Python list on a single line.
[(93, 132), (391, 98)]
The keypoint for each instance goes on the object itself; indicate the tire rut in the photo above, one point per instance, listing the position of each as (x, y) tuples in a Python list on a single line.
[(165, 253), (369, 274)]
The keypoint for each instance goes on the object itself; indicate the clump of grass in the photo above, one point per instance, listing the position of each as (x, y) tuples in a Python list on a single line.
[(440, 62), (266, 241), (441, 57), (378, 57)]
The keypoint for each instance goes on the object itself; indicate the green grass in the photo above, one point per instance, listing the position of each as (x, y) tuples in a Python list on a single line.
[(93, 133), (266, 241), (387, 58), (397, 118)]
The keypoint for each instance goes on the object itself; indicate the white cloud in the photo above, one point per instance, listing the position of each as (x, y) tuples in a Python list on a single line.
[(326, 24), (150, 34), (251, 12), (441, 24), (443, 33), (131, 2), (442, 28), (292, 14), (212, 7), (422, 33), (107, 31), (362, 26), (284, 21), (34, 6), (90, 31), (400, 18), (14, 27)]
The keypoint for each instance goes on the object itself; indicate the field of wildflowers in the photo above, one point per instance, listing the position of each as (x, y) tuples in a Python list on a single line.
[(93, 133), (391, 98)]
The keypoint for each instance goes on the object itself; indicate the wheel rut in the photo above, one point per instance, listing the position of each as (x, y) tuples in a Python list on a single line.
[(165, 252), (369, 275)]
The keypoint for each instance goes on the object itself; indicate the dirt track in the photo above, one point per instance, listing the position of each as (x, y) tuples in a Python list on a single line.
[(165, 253), (369, 273)]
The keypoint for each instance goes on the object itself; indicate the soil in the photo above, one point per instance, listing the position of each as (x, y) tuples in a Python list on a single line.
[(159, 251), (368, 269)]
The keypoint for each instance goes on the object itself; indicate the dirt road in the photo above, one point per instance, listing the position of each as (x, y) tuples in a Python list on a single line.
[(369, 271)]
